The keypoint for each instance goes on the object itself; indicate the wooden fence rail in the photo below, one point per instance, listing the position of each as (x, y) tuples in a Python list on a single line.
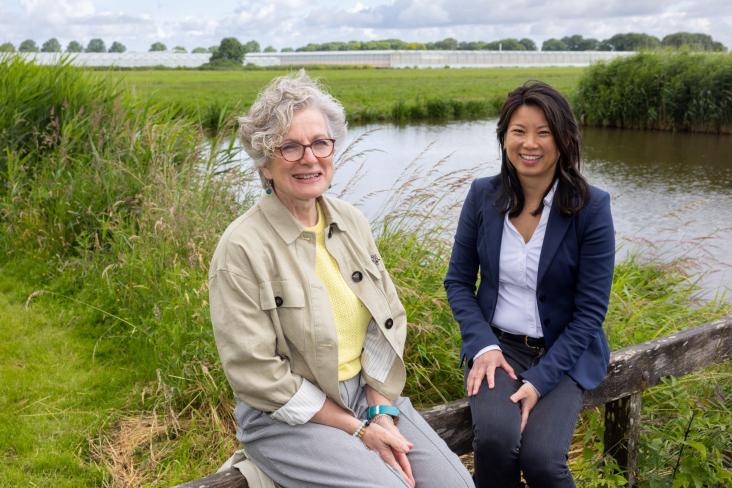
[(631, 370)]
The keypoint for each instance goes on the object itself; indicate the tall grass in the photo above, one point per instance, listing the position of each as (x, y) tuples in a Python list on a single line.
[(659, 90), (117, 204)]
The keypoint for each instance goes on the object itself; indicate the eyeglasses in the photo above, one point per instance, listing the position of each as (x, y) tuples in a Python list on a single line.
[(322, 148)]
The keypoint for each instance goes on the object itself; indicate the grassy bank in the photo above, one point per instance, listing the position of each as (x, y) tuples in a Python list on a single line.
[(666, 91), (60, 388), (116, 204), (368, 95)]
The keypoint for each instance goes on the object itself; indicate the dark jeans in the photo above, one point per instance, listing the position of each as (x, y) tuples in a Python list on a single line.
[(501, 452)]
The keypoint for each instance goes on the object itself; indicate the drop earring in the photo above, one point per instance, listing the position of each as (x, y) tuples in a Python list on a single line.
[(329, 186), (268, 188)]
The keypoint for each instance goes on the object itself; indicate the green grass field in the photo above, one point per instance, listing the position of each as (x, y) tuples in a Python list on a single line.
[(59, 387), (367, 94)]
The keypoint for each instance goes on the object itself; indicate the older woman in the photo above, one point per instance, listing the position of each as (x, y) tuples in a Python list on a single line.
[(308, 324), (542, 241)]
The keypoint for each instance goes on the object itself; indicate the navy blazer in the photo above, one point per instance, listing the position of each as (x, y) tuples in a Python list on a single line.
[(573, 284)]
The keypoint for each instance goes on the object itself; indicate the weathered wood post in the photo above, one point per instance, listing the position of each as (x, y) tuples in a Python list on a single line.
[(622, 433)]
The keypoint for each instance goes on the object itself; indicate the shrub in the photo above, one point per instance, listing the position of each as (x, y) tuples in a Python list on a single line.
[(666, 91)]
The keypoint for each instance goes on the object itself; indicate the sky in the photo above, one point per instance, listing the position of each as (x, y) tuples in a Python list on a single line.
[(294, 23)]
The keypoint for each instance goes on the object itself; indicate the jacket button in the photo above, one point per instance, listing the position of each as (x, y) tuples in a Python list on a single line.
[(542, 298), (278, 301), (389, 323), (546, 321), (357, 276)]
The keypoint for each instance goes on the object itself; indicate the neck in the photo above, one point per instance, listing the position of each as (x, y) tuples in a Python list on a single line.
[(535, 189), (305, 211)]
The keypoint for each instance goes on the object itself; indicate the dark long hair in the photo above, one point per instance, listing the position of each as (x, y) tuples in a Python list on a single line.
[(573, 191)]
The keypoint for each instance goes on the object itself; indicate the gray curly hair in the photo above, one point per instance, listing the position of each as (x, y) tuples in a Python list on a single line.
[(264, 129)]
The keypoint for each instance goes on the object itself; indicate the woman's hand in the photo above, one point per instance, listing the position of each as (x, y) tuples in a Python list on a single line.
[(400, 457), (528, 396), (486, 365), (391, 446)]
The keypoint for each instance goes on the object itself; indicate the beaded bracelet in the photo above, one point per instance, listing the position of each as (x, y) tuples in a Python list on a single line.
[(379, 415), (361, 428)]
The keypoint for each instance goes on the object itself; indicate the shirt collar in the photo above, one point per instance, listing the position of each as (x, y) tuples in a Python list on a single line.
[(550, 196), (286, 225)]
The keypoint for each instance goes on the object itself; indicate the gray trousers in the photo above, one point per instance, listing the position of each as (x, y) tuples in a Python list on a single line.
[(501, 452), (311, 454)]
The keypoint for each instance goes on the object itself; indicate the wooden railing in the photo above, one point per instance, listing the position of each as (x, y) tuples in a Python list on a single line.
[(631, 370)]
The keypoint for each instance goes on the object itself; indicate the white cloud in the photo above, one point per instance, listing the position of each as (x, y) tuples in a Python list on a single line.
[(356, 8), (293, 23)]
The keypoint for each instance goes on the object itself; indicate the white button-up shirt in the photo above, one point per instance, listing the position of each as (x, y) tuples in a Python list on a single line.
[(516, 309)]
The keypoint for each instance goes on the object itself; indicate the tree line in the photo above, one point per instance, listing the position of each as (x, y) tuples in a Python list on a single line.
[(635, 42), (619, 42), (97, 46), (234, 50)]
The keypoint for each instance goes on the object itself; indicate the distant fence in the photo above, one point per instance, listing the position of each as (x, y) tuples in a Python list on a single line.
[(379, 59)]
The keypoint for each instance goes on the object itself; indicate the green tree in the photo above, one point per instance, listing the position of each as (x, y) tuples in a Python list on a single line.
[(286, 50), (158, 46), (331, 46), (448, 44), (696, 42), (117, 47), (253, 47), (7, 48), (397, 44), (309, 48), (199, 50), (578, 43), (51, 46), (553, 45), (415, 46), (630, 42), (472, 46), (511, 45), (96, 46), (375, 46), (28, 46), (74, 47), (179, 49), (230, 48), (528, 44), (353, 46), (270, 49)]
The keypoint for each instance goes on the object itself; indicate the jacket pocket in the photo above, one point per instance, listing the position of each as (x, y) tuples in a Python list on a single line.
[(285, 301)]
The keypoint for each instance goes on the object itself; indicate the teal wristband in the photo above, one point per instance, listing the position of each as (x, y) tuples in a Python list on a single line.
[(387, 409)]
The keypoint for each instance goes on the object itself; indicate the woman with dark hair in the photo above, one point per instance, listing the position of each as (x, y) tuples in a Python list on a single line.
[(542, 240)]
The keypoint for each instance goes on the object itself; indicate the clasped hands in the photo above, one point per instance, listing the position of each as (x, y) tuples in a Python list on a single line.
[(485, 366), (384, 437)]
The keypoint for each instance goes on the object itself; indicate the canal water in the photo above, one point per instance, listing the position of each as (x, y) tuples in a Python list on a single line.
[(670, 191)]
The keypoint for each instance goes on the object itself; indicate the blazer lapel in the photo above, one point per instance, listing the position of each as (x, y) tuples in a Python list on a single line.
[(555, 230), (493, 228)]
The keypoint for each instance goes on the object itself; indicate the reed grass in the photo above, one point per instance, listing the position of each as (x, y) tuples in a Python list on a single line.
[(678, 91), (115, 213)]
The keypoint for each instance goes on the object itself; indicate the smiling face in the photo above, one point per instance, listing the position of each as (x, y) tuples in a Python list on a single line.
[(298, 183), (530, 146)]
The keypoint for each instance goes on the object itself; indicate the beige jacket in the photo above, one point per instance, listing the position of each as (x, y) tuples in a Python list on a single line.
[(271, 314)]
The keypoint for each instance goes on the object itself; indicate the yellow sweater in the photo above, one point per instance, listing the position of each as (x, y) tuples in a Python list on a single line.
[(351, 317)]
